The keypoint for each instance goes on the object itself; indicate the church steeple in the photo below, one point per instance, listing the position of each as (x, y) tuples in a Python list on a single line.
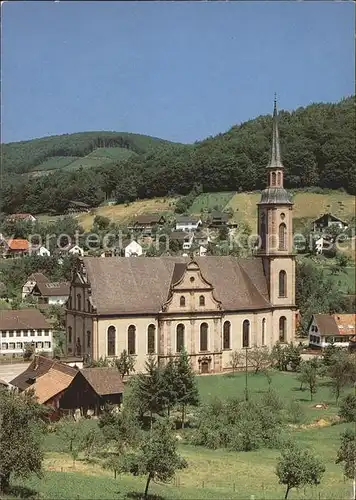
[(275, 167)]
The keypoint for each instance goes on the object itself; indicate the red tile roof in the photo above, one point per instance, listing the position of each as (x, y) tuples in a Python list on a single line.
[(18, 244)]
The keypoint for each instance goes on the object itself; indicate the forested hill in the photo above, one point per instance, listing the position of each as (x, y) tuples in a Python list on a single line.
[(318, 148)]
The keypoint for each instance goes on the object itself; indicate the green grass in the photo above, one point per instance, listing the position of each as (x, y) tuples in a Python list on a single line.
[(55, 162), (344, 280), (112, 153), (88, 162), (210, 201)]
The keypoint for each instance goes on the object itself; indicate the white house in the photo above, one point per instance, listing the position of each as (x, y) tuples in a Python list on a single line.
[(187, 223), (328, 220), (21, 327), (325, 329), (76, 250), (133, 249), (31, 282), (40, 251)]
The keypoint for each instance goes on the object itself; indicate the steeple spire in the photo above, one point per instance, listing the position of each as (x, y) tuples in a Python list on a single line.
[(275, 161)]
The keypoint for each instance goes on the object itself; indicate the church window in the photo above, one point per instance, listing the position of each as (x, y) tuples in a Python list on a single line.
[(131, 339), (88, 305), (88, 339), (246, 333), (279, 178), (79, 302), (70, 331), (202, 300), (227, 335), (282, 328), (282, 237), (111, 340), (273, 179), (264, 331), (263, 234), (204, 337), (182, 301), (180, 337), (282, 285), (151, 333)]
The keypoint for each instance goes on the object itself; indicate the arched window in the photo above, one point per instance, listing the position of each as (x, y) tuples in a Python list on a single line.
[(180, 337), (282, 328), (111, 341), (88, 339), (151, 334), (282, 288), (246, 333), (264, 331), (282, 237), (202, 300), (273, 178), (88, 305), (204, 337), (79, 302), (70, 331), (227, 335), (131, 339), (279, 178), (182, 301)]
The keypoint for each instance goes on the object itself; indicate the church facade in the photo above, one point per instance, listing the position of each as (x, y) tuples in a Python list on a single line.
[(210, 306)]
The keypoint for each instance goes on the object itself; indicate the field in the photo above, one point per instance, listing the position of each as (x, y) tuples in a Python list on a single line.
[(112, 153), (212, 474), (210, 201), (55, 162), (124, 213)]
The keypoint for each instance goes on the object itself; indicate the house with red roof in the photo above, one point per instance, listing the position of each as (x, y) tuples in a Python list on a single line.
[(14, 247)]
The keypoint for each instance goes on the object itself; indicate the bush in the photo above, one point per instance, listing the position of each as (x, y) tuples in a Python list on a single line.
[(295, 412), (347, 409)]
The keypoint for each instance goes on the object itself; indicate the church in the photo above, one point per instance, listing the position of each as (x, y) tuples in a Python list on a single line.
[(209, 306)]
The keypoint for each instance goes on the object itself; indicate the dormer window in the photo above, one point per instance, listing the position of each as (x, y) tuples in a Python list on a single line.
[(182, 301)]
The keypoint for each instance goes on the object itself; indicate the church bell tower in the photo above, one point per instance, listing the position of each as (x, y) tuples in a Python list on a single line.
[(275, 230)]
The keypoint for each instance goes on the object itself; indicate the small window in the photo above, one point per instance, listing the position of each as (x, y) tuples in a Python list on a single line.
[(11, 334), (131, 339), (282, 237), (151, 341), (79, 302), (12, 345), (46, 332), (273, 179), (25, 333), (182, 301), (246, 333), (264, 331), (204, 337), (70, 331), (227, 335), (18, 333), (88, 339), (282, 328), (18, 345), (202, 300), (4, 346), (180, 337), (282, 284), (88, 305), (3, 334), (192, 279)]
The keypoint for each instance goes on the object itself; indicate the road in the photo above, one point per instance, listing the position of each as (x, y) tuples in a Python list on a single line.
[(11, 370)]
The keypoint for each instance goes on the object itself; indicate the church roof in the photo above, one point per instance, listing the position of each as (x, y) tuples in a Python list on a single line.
[(142, 286), (275, 195)]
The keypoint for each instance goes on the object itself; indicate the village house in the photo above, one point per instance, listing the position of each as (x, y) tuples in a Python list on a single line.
[(188, 223), (24, 326), (20, 218), (14, 248), (51, 293), (132, 249), (184, 239), (31, 282), (326, 329), (146, 223), (328, 220), (41, 251), (210, 306), (78, 207), (76, 250), (218, 219)]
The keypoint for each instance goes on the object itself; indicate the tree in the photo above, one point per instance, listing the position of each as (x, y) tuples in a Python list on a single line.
[(347, 453), (297, 468), (235, 360), (169, 378), (328, 353), (347, 409), (71, 433), (258, 357), (186, 387), (29, 349), (279, 357), (157, 456), (151, 388), (20, 436), (125, 363), (309, 375), (342, 371)]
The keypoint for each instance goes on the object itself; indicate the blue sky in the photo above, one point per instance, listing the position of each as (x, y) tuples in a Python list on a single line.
[(177, 70)]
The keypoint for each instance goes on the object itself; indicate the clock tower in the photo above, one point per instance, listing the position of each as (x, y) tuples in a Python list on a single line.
[(275, 220)]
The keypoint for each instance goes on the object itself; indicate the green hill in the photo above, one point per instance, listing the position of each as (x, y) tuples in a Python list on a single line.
[(317, 142)]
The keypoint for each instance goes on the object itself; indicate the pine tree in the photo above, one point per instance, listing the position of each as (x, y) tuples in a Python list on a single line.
[(187, 391), (169, 375), (150, 388)]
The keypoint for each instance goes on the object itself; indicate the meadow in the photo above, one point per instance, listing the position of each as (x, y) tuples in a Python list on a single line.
[(212, 474)]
